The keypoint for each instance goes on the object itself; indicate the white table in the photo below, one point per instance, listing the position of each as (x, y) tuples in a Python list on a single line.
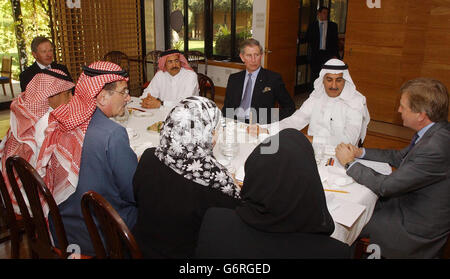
[(356, 193)]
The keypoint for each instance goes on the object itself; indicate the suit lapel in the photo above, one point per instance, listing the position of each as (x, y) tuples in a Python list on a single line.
[(424, 139), (258, 86), (240, 88)]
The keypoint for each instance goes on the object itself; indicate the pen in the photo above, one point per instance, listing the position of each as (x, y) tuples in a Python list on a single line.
[(138, 109), (337, 191)]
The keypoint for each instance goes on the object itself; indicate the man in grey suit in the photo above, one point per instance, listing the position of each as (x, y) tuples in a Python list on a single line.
[(412, 216)]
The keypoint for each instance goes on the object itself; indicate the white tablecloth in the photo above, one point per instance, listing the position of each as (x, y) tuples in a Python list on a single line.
[(141, 139)]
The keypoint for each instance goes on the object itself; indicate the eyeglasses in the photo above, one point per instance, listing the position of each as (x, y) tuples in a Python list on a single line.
[(124, 92)]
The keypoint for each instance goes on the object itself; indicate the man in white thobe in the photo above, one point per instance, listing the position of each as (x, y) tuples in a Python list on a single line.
[(173, 82), (335, 111)]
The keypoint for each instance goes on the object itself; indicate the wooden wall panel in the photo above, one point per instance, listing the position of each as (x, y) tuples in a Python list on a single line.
[(84, 35), (281, 39), (386, 47)]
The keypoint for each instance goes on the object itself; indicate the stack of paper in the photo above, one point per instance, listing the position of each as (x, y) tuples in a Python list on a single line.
[(343, 212)]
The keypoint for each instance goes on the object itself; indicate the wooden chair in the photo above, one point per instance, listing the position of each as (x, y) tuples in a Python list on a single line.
[(446, 249), (36, 228), (194, 57), (206, 85), (118, 58), (151, 57), (114, 229), (6, 74), (11, 224), (361, 247)]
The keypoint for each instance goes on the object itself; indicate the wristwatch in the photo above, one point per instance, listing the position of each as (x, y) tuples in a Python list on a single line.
[(348, 164), (162, 103)]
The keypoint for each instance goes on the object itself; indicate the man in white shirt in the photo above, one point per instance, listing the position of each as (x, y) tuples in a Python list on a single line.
[(173, 82), (335, 111)]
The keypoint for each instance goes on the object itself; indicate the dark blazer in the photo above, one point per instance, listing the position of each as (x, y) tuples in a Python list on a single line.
[(268, 90), (412, 217), (313, 39), (223, 234), (27, 75)]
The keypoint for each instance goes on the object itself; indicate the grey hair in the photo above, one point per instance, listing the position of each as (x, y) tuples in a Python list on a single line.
[(250, 42)]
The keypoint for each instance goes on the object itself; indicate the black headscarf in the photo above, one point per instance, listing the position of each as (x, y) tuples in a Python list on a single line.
[(282, 192)]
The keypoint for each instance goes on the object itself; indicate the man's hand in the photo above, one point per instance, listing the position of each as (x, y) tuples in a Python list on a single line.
[(150, 102), (255, 130), (345, 153)]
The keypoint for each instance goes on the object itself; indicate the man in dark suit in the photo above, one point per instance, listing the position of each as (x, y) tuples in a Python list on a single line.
[(251, 94), (412, 217), (42, 50), (322, 38)]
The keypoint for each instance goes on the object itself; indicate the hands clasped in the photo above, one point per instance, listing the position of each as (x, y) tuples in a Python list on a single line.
[(346, 153), (150, 102)]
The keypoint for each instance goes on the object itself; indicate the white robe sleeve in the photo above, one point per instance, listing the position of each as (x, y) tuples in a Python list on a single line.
[(298, 120), (154, 88)]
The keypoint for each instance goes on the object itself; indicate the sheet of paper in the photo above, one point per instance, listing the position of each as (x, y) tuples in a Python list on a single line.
[(345, 213), (380, 167)]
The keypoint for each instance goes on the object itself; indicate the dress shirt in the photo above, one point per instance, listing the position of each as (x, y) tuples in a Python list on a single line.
[(254, 76), (173, 89)]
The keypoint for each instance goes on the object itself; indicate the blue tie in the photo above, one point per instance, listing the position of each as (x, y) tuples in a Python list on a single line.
[(246, 100), (413, 142), (321, 32)]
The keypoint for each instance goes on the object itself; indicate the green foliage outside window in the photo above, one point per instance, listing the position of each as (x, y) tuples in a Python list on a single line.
[(35, 22)]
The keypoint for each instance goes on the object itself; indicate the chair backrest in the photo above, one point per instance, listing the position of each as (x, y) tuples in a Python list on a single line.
[(118, 58), (5, 207), (35, 222), (6, 66), (151, 57), (193, 57), (206, 85), (8, 217), (113, 228)]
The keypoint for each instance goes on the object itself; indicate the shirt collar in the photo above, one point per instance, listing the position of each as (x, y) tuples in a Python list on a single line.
[(175, 76), (42, 66), (254, 74), (424, 130)]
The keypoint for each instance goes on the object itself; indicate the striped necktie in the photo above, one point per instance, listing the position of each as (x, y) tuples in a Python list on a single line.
[(246, 100)]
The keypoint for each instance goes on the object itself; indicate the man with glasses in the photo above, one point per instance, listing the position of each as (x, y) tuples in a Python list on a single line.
[(174, 81), (87, 151), (255, 88)]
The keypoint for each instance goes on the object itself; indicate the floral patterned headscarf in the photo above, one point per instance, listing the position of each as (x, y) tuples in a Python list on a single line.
[(186, 144)]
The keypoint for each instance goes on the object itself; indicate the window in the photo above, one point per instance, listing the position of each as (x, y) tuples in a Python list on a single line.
[(215, 27), (338, 13)]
